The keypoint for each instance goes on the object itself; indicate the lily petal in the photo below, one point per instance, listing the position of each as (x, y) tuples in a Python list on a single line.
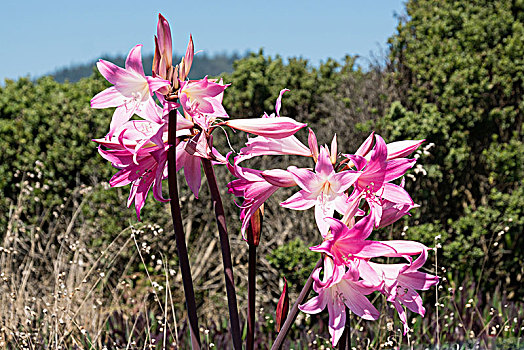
[(276, 128)]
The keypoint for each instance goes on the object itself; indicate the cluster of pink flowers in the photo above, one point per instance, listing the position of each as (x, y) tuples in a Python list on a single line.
[(139, 147), (360, 188)]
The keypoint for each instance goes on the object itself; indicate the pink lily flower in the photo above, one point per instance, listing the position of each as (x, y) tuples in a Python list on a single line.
[(142, 172), (374, 182), (271, 126), (324, 189), (392, 212), (202, 97), (139, 149), (397, 149), (137, 134), (338, 290), (253, 186), (400, 149), (262, 146), (346, 244), (401, 282), (132, 91), (277, 128), (205, 120), (265, 146)]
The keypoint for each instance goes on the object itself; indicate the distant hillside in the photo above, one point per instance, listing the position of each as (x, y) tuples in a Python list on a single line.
[(203, 65)]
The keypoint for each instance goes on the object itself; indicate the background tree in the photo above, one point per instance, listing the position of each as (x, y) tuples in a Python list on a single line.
[(458, 69)]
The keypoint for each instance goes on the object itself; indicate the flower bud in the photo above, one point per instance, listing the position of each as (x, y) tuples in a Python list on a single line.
[(163, 58), (282, 307), (334, 150), (255, 227), (187, 60), (313, 144)]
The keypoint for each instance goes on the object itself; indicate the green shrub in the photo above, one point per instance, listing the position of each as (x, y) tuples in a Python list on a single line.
[(459, 74)]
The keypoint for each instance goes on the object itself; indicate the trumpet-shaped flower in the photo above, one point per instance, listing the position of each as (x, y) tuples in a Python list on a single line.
[(374, 182), (271, 126), (347, 244), (324, 189), (265, 146), (397, 149), (253, 186), (143, 172), (401, 281), (139, 149), (337, 290), (261, 145), (131, 91), (277, 128), (400, 149), (202, 97), (206, 120)]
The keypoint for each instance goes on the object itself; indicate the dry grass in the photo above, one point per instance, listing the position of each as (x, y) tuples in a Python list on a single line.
[(58, 290)]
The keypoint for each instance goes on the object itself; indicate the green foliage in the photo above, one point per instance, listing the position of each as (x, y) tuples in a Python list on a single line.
[(46, 129), (50, 124), (333, 98), (459, 72), (294, 261), (257, 80)]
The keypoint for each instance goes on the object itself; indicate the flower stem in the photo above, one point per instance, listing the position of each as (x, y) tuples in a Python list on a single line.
[(179, 234), (251, 290), (226, 253), (345, 340), (294, 310)]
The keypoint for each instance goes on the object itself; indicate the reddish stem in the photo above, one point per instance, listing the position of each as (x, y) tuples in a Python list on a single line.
[(226, 253), (294, 310), (251, 290), (179, 234), (345, 340)]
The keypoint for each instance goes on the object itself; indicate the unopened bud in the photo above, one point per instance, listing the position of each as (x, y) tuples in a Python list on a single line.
[(181, 68), (187, 60), (313, 145), (282, 307), (255, 227), (174, 79), (334, 150)]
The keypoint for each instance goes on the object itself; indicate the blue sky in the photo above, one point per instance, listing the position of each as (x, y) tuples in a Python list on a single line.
[(37, 37)]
